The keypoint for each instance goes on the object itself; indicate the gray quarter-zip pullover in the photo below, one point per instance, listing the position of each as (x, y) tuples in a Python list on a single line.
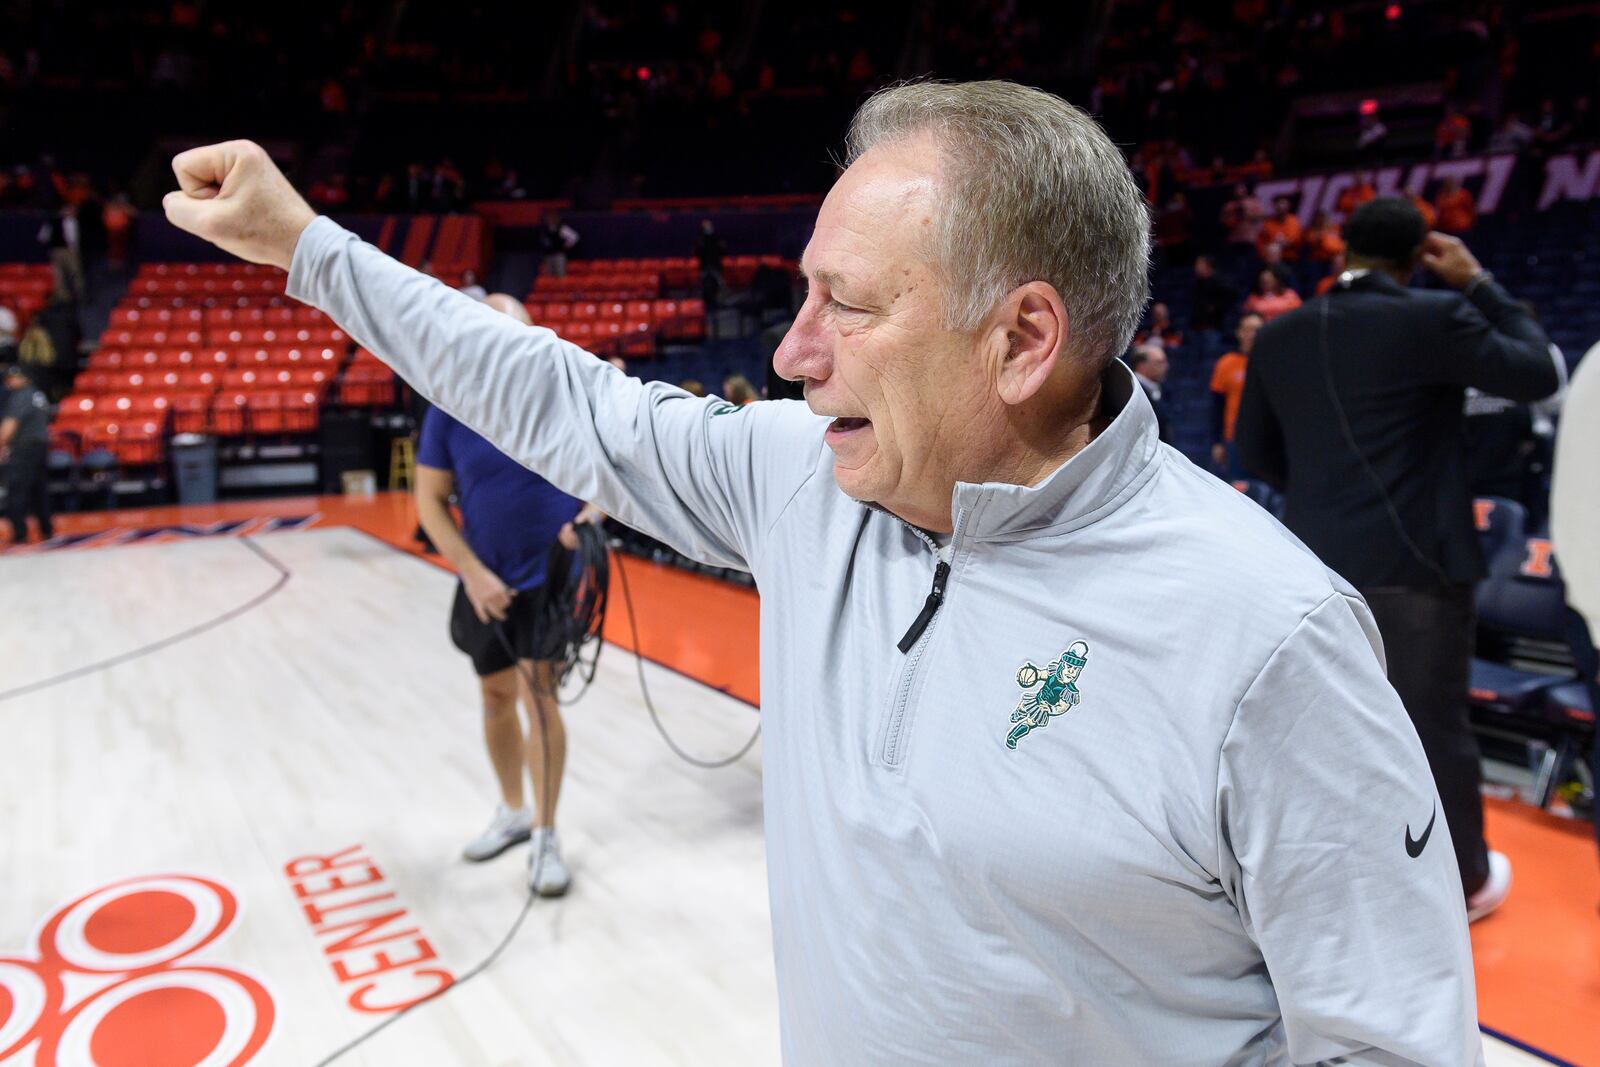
[(1201, 853)]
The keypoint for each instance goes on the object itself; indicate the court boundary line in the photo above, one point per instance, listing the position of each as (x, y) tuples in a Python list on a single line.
[(436, 565), (1523, 1046), (284, 574)]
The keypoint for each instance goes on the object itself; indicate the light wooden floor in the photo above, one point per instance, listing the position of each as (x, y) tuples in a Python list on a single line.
[(336, 713)]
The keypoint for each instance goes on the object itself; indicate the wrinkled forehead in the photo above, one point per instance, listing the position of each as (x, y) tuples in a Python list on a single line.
[(882, 212)]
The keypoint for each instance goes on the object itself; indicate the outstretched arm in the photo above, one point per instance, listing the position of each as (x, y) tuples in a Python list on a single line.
[(705, 478)]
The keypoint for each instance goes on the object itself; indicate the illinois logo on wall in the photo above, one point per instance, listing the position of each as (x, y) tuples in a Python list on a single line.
[(115, 980)]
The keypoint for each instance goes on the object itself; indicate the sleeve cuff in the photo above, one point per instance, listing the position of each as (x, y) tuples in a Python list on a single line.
[(309, 252)]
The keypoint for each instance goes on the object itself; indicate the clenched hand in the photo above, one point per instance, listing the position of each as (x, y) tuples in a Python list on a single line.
[(234, 196)]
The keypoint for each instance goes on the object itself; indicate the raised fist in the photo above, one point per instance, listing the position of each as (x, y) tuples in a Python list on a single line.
[(234, 196)]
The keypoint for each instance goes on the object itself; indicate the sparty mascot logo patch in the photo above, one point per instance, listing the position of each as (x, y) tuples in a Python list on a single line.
[(1057, 695)]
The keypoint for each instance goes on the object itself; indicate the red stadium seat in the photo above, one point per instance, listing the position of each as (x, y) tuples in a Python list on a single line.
[(199, 381), (177, 358), (106, 359), (191, 412), (586, 310), (367, 383), (227, 412), (236, 380), (613, 309)]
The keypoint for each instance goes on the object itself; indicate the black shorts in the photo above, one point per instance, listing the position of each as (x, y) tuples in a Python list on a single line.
[(527, 625)]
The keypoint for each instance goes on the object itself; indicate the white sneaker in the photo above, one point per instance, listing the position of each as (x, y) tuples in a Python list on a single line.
[(547, 874), (507, 828), (1492, 893)]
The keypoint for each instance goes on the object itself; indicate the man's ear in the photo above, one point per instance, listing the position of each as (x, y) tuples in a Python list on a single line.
[(1029, 336)]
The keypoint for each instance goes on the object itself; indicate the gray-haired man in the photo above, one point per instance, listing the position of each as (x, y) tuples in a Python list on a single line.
[(1205, 860)]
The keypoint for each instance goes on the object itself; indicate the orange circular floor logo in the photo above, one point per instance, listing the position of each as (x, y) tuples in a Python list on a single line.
[(114, 982)]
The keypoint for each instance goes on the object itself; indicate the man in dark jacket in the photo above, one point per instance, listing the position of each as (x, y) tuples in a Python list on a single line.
[(1353, 406)]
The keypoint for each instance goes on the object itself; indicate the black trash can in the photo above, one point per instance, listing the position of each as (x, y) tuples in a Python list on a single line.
[(194, 468)]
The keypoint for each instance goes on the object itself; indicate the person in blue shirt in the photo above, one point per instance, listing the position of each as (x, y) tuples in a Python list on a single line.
[(510, 519)]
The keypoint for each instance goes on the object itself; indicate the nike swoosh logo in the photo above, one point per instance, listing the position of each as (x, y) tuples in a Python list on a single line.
[(1414, 847)]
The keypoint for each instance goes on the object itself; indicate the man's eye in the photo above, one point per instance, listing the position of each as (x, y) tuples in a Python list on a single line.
[(837, 306)]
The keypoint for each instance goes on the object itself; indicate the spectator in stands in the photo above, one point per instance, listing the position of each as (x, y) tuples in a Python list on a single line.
[(469, 285), (737, 389), (1355, 406), (1456, 206), (1322, 240), (710, 251), (556, 240), (1227, 386), (1357, 193), (1282, 230), (1213, 300), (1160, 329), (1512, 136), (1329, 280), (512, 519), (1452, 135), (60, 235), (1548, 128), (1271, 296), (1150, 365), (692, 386), (49, 346), (119, 215), (1430, 217), (24, 448), (1241, 219)]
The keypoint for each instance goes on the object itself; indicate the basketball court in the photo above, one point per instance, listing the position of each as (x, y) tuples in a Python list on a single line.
[(241, 758)]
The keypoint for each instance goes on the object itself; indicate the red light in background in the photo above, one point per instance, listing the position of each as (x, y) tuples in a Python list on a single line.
[(644, 74), (1369, 107), (1392, 12)]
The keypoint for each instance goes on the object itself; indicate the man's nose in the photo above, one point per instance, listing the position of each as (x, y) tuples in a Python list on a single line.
[(803, 352)]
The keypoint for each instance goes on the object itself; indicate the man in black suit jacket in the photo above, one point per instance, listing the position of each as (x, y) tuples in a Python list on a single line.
[(1353, 406), (1150, 365)]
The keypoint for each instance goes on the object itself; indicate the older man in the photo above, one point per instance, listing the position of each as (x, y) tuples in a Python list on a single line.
[(1203, 858)]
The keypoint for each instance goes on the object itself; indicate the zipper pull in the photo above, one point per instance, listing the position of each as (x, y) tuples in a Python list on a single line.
[(929, 606)]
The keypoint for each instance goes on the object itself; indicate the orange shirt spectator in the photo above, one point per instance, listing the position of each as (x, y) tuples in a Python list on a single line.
[(1450, 137), (1271, 297), (1227, 381), (1356, 195), (1282, 229), (1429, 216), (1227, 387), (1457, 208), (1322, 240)]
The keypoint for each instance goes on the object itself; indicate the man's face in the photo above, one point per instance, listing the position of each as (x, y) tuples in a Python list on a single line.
[(1155, 365), (1070, 673), (1247, 332), (913, 404)]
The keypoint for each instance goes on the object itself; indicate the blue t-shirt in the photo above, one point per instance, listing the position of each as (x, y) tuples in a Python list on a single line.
[(509, 515)]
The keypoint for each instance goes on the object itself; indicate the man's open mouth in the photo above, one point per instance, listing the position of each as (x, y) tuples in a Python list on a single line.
[(844, 425)]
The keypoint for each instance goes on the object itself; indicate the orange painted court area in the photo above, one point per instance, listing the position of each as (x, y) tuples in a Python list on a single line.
[(1537, 959)]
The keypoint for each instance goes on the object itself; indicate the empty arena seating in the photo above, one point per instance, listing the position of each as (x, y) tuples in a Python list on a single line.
[(203, 348), (618, 306), (25, 288)]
